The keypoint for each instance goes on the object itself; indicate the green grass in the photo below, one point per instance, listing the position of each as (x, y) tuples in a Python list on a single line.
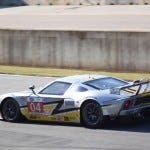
[(37, 71)]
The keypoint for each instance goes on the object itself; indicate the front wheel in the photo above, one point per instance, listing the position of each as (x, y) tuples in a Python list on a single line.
[(91, 114), (11, 111)]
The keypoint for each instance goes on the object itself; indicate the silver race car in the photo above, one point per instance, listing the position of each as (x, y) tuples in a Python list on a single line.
[(85, 99)]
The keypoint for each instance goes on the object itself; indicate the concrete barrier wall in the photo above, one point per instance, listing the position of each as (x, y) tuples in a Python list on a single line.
[(93, 50), (73, 2)]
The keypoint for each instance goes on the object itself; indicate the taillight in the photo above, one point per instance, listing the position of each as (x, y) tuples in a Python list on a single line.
[(127, 104)]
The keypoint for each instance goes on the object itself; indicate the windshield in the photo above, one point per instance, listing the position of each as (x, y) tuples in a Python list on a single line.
[(105, 83)]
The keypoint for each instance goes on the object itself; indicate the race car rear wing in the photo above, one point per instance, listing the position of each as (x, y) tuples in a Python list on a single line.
[(137, 87)]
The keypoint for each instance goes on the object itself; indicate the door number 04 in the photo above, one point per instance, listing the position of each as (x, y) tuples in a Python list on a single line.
[(35, 107)]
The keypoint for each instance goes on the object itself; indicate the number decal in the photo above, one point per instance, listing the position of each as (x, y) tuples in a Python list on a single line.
[(35, 107)]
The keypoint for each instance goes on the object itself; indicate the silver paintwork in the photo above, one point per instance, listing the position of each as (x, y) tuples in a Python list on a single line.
[(111, 103)]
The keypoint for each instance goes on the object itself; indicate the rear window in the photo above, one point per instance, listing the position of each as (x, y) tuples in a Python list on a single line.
[(106, 83)]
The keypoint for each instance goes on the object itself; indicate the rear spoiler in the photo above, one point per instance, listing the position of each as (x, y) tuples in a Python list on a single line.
[(137, 87)]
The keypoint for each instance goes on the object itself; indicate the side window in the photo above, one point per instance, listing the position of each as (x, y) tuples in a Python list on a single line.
[(56, 88), (80, 89)]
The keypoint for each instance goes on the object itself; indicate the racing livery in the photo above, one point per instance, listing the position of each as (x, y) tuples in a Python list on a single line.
[(85, 99)]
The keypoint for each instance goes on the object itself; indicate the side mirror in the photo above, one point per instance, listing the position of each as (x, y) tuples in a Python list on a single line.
[(32, 88)]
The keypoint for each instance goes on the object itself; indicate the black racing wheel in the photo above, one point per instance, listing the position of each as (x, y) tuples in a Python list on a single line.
[(91, 114), (11, 111)]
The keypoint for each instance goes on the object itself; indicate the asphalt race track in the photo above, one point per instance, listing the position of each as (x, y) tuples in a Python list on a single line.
[(45, 136)]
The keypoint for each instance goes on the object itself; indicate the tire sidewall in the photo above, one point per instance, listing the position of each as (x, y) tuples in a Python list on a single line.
[(18, 113), (84, 120)]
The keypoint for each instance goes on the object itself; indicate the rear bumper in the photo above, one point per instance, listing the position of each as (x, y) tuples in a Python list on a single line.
[(135, 111)]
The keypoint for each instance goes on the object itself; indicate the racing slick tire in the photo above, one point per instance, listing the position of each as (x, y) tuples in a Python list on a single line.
[(91, 114), (11, 111)]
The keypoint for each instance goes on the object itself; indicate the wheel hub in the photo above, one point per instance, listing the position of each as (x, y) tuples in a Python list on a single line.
[(92, 113)]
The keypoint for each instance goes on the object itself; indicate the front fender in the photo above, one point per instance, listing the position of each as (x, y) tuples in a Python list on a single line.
[(11, 96)]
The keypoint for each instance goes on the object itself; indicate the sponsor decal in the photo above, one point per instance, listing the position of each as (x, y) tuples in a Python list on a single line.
[(69, 103), (31, 99), (66, 118), (47, 112), (32, 117), (53, 119), (59, 118)]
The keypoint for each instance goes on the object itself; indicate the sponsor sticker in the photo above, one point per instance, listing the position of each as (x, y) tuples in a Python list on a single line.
[(59, 118), (66, 118)]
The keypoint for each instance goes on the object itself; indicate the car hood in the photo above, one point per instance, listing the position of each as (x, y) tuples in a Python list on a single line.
[(16, 94)]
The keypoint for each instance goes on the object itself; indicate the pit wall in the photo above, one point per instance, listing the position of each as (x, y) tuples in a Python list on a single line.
[(73, 2), (117, 51)]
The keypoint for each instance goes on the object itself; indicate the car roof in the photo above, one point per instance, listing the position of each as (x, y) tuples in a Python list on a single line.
[(80, 78)]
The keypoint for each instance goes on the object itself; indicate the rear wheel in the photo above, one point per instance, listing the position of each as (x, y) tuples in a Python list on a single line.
[(91, 114), (11, 111)]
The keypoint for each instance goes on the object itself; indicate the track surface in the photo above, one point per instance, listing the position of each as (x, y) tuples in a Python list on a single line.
[(45, 136), (77, 18)]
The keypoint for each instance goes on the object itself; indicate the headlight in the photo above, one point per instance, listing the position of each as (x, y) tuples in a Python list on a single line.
[(115, 91)]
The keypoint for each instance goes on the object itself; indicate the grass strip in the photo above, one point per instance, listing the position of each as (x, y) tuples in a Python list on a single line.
[(54, 72)]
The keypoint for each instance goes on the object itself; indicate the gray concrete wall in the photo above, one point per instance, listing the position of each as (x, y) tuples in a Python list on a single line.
[(73, 2), (93, 50)]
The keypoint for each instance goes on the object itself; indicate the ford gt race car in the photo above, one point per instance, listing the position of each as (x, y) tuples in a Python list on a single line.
[(85, 99)]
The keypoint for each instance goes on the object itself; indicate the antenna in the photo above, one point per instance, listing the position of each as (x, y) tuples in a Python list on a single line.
[(89, 76)]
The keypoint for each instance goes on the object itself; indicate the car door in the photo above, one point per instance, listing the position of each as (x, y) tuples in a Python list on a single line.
[(48, 104)]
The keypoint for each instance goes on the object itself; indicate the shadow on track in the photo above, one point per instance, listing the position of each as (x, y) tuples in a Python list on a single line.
[(116, 125), (131, 126)]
